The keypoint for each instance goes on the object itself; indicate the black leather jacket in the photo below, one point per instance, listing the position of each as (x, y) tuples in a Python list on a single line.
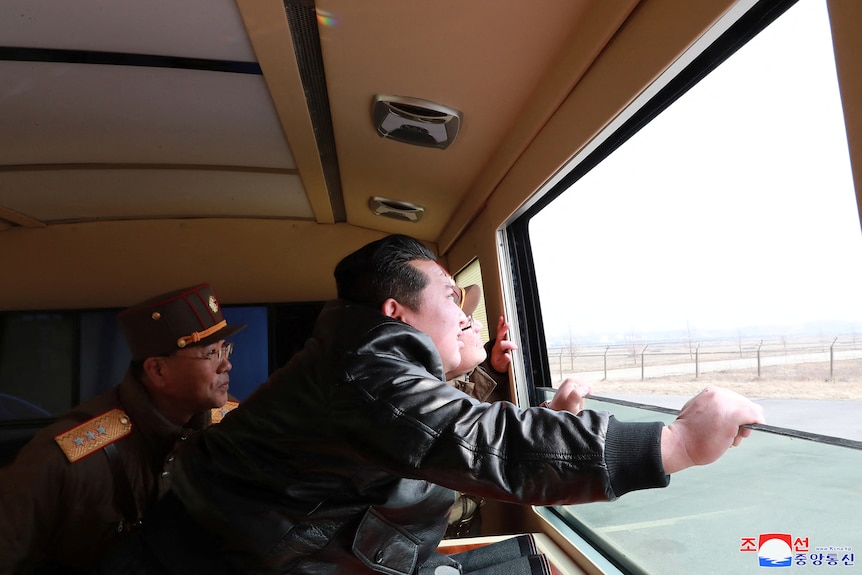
[(344, 461)]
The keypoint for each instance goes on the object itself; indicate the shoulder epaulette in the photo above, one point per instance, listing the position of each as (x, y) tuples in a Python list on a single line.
[(218, 413), (94, 434)]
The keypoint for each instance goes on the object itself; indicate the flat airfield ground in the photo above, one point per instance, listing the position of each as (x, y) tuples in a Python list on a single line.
[(799, 381), (800, 396), (792, 367)]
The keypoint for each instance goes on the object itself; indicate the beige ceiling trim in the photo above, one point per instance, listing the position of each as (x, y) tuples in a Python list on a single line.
[(185, 167), (19, 219), (266, 22), (173, 217), (599, 22)]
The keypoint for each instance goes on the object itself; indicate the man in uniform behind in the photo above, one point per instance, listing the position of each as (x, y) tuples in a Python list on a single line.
[(85, 481), (484, 369), (484, 375)]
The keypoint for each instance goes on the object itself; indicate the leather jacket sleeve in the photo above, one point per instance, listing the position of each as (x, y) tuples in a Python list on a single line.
[(359, 403), (426, 429)]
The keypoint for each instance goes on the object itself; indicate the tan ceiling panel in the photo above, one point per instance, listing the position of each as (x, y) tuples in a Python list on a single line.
[(471, 56), (103, 141), (115, 194), (69, 113), (190, 28)]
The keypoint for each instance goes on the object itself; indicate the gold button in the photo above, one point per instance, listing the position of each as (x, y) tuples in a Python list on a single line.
[(124, 420), (157, 315)]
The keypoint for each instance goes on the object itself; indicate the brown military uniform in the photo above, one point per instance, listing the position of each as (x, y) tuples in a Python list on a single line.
[(484, 383), (56, 511), (480, 385), (86, 480)]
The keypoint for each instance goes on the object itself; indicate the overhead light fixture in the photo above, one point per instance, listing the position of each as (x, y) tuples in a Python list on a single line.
[(415, 121), (395, 209)]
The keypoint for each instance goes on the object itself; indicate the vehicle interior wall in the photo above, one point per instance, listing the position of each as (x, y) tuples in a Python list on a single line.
[(115, 264)]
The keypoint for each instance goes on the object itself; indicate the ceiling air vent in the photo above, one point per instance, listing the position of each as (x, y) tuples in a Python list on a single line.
[(415, 121), (395, 209)]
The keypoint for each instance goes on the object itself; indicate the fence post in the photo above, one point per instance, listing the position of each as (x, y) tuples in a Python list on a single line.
[(606, 363), (758, 357), (696, 361), (642, 361), (832, 356)]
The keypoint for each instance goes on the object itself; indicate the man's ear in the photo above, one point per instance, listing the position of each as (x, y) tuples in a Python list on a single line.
[(393, 309), (154, 368)]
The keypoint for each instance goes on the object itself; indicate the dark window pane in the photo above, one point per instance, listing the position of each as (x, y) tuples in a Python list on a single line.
[(104, 353), (37, 364), (250, 350)]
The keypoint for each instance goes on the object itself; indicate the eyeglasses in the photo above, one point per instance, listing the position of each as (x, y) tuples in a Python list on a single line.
[(220, 354), (469, 323)]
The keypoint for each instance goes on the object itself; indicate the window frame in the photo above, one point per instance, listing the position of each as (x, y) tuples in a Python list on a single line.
[(727, 36), (515, 251)]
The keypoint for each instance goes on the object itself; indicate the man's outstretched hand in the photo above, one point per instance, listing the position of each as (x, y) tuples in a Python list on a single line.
[(707, 426)]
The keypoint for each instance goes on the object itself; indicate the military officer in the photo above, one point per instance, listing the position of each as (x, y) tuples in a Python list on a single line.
[(484, 374), (85, 481)]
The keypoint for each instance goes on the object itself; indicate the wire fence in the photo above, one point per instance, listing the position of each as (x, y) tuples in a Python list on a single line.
[(638, 359)]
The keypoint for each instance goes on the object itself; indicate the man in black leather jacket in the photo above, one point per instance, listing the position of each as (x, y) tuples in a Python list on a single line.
[(346, 459)]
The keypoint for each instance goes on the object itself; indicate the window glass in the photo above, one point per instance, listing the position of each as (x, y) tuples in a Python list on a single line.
[(720, 245), (721, 241), (104, 354), (250, 359), (713, 519), (37, 364)]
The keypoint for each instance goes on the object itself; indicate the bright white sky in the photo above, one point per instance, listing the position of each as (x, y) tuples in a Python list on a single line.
[(734, 208)]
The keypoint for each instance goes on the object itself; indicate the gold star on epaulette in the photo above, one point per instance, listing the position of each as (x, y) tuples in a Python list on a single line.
[(218, 413), (94, 434)]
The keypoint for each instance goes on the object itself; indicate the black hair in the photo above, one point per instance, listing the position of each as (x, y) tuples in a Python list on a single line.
[(382, 270)]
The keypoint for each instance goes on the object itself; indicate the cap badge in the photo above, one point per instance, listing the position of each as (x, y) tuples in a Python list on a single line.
[(213, 304)]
